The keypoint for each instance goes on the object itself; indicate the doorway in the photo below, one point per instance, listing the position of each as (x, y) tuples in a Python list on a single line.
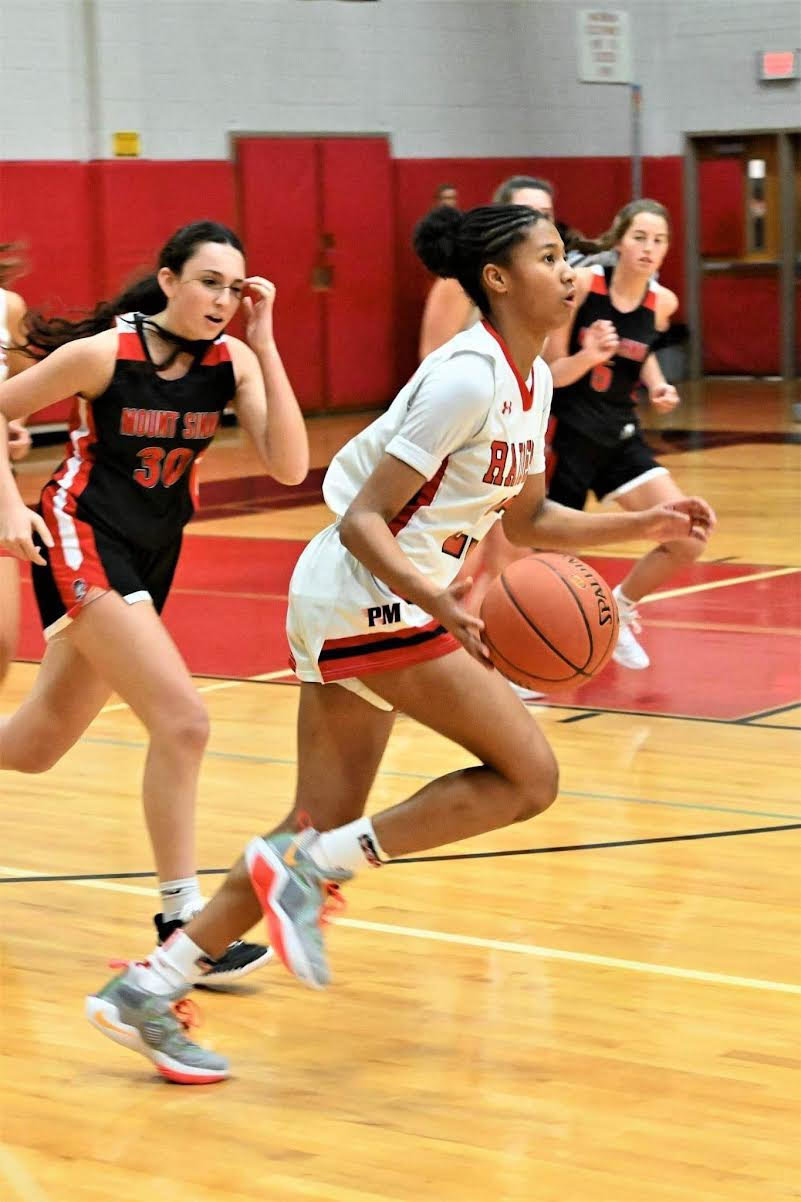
[(317, 217), (742, 199)]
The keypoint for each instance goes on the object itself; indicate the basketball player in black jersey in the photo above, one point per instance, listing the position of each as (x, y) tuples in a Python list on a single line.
[(149, 395), (597, 361)]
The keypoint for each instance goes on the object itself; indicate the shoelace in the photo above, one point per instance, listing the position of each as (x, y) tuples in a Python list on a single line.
[(334, 903), (629, 616), (188, 1013), (185, 1010)]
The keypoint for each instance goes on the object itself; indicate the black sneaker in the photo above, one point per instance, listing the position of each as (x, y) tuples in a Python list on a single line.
[(237, 961)]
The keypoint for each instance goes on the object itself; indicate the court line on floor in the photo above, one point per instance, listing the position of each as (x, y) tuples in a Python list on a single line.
[(648, 840), (424, 776), (73, 878), (500, 945), (712, 584), (229, 683)]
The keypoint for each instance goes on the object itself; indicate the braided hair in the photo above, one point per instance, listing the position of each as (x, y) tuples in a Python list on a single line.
[(458, 245)]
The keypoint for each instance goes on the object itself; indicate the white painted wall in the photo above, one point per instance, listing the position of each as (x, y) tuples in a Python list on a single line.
[(441, 77)]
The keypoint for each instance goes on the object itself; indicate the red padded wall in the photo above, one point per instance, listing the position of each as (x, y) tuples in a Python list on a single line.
[(137, 205), (360, 307), (278, 199), (47, 207)]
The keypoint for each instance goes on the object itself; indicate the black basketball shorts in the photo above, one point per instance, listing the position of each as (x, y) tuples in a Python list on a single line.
[(85, 559), (581, 465)]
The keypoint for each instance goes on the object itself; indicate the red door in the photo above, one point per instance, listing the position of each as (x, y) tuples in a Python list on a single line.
[(317, 219)]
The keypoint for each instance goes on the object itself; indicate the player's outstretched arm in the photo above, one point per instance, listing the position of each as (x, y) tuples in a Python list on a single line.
[(535, 521)]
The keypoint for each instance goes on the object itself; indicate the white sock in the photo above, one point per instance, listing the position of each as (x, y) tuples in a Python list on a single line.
[(179, 895), (621, 597), (348, 848), (177, 964)]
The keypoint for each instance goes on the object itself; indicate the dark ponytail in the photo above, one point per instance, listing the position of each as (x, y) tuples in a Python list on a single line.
[(143, 295), (458, 245), (12, 262)]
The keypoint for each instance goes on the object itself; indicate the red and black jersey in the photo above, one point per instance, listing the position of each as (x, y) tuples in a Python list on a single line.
[(601, 402), (133, 451)]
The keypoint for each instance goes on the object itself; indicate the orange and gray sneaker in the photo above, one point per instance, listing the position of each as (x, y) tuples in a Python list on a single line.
[(155, 1025), (295, 894)]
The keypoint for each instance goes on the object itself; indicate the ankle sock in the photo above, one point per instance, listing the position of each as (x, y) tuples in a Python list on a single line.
[(180, 895), (348, 848), (175, 965)]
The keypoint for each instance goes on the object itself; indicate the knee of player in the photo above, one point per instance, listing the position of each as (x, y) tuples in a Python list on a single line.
[(6, 656), (540, 790), (32, 758), (185, 725)]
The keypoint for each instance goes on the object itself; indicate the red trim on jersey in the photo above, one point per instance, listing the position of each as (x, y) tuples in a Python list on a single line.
[(551, 457), (90, 570), (424, 496), (650, 299), (364, 654), (598, 283), (218, 352), (526, 393), (129, 346)]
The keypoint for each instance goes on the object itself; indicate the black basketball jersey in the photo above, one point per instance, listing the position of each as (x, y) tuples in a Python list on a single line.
[(133, 451), (601, 403)]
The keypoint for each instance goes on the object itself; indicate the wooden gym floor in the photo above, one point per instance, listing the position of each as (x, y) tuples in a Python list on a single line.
[(606, 1013)]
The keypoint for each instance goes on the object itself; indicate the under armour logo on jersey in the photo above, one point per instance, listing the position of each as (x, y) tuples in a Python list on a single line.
[(506, 407)]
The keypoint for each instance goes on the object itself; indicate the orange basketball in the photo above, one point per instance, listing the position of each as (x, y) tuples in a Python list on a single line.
[(551, 622)]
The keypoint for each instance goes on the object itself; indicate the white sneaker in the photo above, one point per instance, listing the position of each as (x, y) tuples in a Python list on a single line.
[(525, 694), (628, 652)]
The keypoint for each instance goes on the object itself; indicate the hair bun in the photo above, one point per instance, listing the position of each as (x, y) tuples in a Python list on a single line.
[(435, 240)]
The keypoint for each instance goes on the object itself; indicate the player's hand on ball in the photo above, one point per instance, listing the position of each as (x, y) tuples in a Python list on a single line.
[(663, 397), (460, 622), (689, 517)]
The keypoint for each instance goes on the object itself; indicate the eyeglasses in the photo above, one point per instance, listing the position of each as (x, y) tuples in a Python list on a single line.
[(217, 289)]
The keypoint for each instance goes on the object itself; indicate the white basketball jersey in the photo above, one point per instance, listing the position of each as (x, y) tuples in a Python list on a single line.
[(470, 425)]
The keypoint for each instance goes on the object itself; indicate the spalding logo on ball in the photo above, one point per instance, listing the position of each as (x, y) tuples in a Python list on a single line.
[(550, 622)]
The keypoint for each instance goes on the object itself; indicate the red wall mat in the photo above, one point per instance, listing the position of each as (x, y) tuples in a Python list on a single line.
[(277, 180), (61, 252), (360, 307), (137, 205)]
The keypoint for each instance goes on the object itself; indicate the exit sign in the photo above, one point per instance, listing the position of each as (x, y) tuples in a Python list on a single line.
[(779, 65)]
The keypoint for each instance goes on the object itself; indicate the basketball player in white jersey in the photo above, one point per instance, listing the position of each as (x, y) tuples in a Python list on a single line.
[(377, 625), (12, 309)]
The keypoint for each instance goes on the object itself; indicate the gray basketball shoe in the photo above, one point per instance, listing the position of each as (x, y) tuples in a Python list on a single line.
[(294, 894), (155, 1026)]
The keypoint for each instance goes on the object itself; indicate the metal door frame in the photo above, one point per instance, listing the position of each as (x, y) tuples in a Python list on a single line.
[(787, 251)]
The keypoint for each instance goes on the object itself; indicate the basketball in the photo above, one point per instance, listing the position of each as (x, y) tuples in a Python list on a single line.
[(551, 622)]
